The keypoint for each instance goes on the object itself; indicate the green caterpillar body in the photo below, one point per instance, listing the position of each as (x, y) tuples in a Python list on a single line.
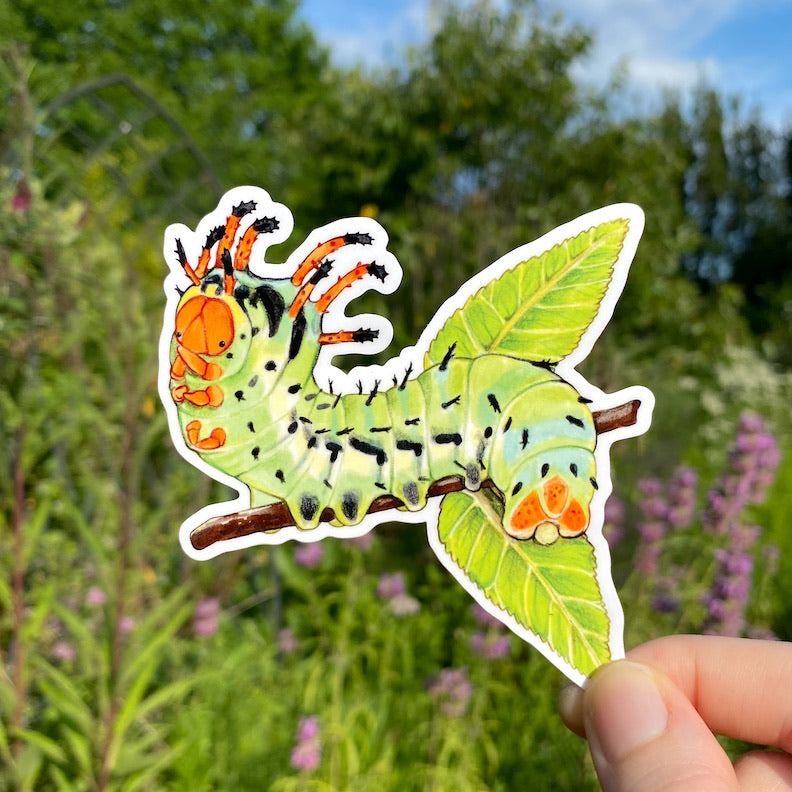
[(243, 358)]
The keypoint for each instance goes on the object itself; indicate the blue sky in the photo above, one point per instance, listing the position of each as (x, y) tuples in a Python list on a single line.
[(742, 47)]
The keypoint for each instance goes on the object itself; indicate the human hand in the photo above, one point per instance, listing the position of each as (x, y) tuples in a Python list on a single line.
[(650, 719)]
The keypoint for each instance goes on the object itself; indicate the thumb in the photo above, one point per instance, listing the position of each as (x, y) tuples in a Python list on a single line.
[(646, 736)]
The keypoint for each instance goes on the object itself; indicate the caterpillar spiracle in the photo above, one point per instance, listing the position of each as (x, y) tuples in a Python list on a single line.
[(254, 400)]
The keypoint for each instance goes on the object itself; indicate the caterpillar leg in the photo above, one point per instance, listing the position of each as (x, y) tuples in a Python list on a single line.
[(215, 439), (212, 396)]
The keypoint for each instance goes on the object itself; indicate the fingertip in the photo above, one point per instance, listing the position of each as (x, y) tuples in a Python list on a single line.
[(623, 709), (570, 708), (645, 735)]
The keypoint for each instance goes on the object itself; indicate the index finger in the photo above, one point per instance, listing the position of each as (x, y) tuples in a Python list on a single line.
[(740, 687)]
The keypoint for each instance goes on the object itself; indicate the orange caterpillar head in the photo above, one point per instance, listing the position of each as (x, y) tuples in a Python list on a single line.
[(205, 325)]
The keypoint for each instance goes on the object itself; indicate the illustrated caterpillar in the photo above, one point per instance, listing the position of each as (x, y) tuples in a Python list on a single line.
[(249, 349)]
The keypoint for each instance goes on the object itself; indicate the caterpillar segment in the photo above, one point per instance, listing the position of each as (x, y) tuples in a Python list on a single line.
[(243, 355)]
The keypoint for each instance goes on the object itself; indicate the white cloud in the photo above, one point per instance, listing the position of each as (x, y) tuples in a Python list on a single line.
[(656, 40)]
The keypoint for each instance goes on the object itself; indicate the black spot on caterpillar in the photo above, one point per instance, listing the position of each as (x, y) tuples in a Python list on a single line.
[(273, 303), (349, 505), (369, 448), (575, 421), (297, 335), (493, 402), (309, 505), (334, 449), (409, 445), (453, 437)]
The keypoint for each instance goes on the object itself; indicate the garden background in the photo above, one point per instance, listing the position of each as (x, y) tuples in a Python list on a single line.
[(352, 665)]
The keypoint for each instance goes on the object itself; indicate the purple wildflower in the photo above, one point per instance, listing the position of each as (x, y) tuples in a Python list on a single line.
[(451, 689), (653, 528), (362, 542), (22, 198), (126, 625), (307, 751), (484, 617), (390, 585), (682, 497), (613, 526), (287, 641), (309, 554), (95, 597), (205, 622), (752, 463), (64, 652), (490, 645)]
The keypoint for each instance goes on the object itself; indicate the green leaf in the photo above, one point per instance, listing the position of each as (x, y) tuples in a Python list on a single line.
[(539, 309), (550, 590), (45, 744)]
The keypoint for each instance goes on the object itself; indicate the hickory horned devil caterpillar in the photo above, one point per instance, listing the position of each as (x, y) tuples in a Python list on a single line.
[(486, 394)]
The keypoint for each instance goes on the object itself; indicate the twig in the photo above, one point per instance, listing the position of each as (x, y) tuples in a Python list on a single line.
[(277, 515)]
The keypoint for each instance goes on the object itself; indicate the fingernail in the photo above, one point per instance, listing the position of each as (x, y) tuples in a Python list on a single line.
[(624, 710)]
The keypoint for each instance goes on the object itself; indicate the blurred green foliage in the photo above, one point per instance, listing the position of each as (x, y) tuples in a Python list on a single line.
[(118, 118)]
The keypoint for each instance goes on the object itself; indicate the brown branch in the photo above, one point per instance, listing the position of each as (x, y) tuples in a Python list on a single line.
[(277, 515)]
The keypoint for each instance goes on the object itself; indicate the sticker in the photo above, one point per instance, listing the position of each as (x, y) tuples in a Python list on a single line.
[(483, 430)]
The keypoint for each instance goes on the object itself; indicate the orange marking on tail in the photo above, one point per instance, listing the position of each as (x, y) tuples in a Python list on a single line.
[(341, 337), (574, 520), (216, 438), (314, 258), (556, 494), (323, 303), (528, 514)]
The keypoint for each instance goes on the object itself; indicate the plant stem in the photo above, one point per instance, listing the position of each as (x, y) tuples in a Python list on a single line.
[(18, 587)]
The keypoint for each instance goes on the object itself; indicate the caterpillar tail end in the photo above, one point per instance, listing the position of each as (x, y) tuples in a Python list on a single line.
[(549, 511)]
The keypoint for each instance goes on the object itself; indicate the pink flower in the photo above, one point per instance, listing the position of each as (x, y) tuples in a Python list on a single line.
[(206, 611), (362, 542), (64, 652), (22, 198), (308, 728), (309, 554), (307, 751), (390, 586), (490, 646), (126, 625), (95, 597), (287, 641), (484, 617), (451, 688)]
